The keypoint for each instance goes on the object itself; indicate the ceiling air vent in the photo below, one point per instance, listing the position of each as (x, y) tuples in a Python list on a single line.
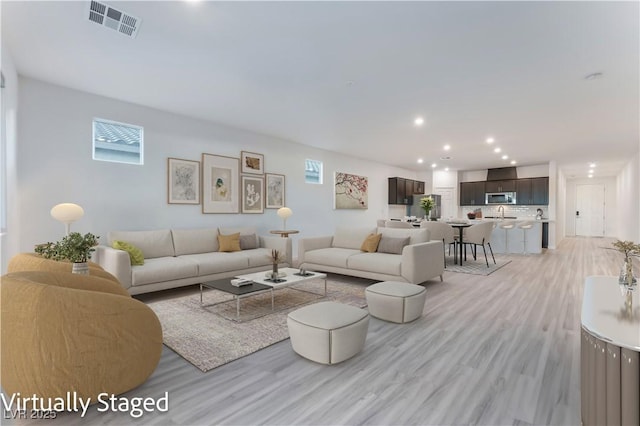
[(115, 19)]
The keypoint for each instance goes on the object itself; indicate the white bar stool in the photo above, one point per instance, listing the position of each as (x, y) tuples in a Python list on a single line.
[(525, 226), (506, 226)]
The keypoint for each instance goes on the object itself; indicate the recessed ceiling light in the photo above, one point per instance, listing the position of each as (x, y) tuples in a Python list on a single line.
[(497, 150), (420, 161), (592, 165), (513, 161), (490, 140), (590, 176), (505, 157), (446, 169), (434, 165), (446, 147), (419, 121)]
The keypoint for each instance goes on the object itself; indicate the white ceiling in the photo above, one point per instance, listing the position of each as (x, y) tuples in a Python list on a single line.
[(352, 76)]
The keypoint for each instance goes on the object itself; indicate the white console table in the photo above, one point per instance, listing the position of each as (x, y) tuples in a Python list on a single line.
[(610, 354)]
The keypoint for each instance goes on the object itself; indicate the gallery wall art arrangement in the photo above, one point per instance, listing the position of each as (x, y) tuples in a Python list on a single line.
[(252, 194), (220, 186), (225, 184), (252, 163), (183, 186), (274, 198)]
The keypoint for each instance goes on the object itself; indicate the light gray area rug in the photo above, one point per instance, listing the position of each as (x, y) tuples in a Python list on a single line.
[(205, 338), (476, 267)]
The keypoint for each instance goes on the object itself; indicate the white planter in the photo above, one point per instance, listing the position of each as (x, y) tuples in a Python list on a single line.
[(80, 268)]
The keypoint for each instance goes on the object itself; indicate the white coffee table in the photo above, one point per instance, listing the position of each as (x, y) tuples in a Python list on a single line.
[(261, 283), (292, 277)]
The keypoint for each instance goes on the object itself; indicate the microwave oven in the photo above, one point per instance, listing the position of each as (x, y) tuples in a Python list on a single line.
[(500, 198)]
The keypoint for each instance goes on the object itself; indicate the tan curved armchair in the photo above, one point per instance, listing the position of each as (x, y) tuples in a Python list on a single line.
[(64, 332), (35, 262)]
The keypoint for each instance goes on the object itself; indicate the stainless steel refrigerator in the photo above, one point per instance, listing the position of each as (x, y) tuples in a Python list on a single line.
[(415, 210)]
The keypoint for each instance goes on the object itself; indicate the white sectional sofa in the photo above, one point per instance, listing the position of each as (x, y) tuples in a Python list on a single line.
[(180, 257), (419, 261)]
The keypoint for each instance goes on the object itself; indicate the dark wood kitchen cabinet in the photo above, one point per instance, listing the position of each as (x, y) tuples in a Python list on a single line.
[(532, 191), (401, 190), (472, 193), (500, 185), (524, 196), (418, 187), (540, 191)]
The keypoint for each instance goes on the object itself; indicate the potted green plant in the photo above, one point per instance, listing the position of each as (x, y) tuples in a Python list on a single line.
[(427, 204), (75, 248)]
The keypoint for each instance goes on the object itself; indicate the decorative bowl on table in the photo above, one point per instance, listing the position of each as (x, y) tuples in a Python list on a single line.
[(471, 215)]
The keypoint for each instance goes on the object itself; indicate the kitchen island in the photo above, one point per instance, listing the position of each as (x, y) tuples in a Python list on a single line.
[(514, 242)]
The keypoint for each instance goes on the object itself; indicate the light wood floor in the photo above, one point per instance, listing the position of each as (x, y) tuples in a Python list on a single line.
[(496, 350)]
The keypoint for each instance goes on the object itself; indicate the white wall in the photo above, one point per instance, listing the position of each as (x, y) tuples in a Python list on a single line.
[(9, 237), (561, 207), (55, 165), (610, 209), (628, 194), (442, 179), (552, 172)]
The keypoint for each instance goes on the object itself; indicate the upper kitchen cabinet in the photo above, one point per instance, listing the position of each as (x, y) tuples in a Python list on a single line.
[(524, 196), (401, 190), (540, 189), (500, 185), (418, 187), (472, 193), (534, 191)]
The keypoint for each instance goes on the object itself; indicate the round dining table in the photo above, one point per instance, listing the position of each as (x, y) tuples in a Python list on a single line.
[(460, 226)]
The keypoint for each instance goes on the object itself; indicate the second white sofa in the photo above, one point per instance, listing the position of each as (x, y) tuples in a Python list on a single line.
[(340, 253)]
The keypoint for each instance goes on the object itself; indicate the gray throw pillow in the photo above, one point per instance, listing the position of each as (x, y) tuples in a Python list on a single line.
[(392, 245), (248, 242)]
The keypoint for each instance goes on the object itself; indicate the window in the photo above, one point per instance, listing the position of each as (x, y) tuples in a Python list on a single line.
[(117, 142), (313, 171)]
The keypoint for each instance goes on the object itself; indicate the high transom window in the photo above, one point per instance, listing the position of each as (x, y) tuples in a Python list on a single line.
[(313, 171), (117, 142)]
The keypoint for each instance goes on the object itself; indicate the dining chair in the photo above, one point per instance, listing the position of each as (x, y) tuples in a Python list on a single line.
[(441, 231), (479, 235)]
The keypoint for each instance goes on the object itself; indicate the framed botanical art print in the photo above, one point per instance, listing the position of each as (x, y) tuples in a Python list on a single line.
[(220, 186), (351, 191), (252, 194), (274, 187), (252, 163), (183, 181)]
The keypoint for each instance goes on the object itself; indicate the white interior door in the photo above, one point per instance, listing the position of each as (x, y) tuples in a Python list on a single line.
[(590, 210), (446, 200)]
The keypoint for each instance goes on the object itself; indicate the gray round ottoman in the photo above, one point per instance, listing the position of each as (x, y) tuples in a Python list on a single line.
[(396, 301), (328, 332)]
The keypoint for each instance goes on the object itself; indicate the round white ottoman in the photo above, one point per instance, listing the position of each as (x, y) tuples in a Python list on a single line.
[(396, 301), (328, 332)]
